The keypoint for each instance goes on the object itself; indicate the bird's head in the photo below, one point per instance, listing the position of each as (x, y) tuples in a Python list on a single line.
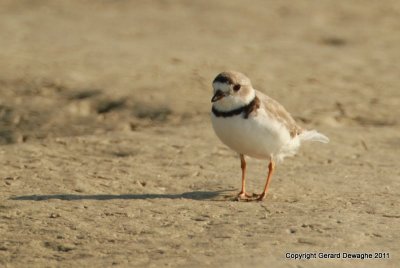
[(231, 90)]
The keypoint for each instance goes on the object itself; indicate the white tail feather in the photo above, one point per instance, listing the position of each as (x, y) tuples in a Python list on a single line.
[(313, 135)]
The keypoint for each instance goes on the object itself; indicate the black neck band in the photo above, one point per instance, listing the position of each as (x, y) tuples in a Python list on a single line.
[(244, 109)]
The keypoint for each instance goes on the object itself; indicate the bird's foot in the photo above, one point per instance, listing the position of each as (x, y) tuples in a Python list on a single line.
[(261, 197), (245, 196)]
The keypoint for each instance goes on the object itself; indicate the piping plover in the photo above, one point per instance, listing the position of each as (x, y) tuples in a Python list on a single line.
[(255, 125)]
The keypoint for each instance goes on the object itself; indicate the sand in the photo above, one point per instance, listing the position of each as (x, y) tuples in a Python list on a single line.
[(108, 157)]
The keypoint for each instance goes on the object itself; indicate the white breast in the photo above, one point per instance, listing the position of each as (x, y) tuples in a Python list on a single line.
[(257, 136)]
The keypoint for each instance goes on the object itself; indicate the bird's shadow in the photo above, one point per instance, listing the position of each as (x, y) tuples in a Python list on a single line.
[(196, 195)]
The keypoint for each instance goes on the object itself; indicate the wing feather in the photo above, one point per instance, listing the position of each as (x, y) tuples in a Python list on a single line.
[(276, 110)]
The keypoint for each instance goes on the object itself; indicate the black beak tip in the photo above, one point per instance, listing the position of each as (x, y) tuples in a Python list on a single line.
[(217, 96)]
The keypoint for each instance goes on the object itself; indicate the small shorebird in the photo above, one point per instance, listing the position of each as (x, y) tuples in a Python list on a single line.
[(255, 125)]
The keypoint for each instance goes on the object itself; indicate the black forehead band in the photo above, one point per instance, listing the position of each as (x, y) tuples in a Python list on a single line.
[(223, 79)]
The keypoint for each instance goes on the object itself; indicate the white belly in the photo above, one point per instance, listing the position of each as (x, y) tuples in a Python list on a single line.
[(258, 136)]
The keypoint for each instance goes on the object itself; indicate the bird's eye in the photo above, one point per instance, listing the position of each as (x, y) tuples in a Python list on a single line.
[(236, 87)]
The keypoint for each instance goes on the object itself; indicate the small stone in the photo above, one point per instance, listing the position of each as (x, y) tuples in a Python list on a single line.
[(54, 215), (306, 241)]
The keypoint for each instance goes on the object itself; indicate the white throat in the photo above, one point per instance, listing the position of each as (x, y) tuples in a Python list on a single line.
[(231, 102)]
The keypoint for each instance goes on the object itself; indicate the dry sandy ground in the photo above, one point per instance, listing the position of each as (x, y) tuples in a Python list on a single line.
[(107, 153)]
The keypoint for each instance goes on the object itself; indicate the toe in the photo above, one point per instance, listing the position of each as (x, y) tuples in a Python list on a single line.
[(261, 197), (244, 196)]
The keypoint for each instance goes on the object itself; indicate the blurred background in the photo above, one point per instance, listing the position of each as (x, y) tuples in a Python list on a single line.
[(108, 156), (83, 67)]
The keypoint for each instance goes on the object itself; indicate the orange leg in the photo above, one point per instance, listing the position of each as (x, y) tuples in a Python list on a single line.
[(271, 168), (243, 194)]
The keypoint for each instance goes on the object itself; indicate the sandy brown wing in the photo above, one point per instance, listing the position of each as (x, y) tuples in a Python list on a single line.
[(275, 109)]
